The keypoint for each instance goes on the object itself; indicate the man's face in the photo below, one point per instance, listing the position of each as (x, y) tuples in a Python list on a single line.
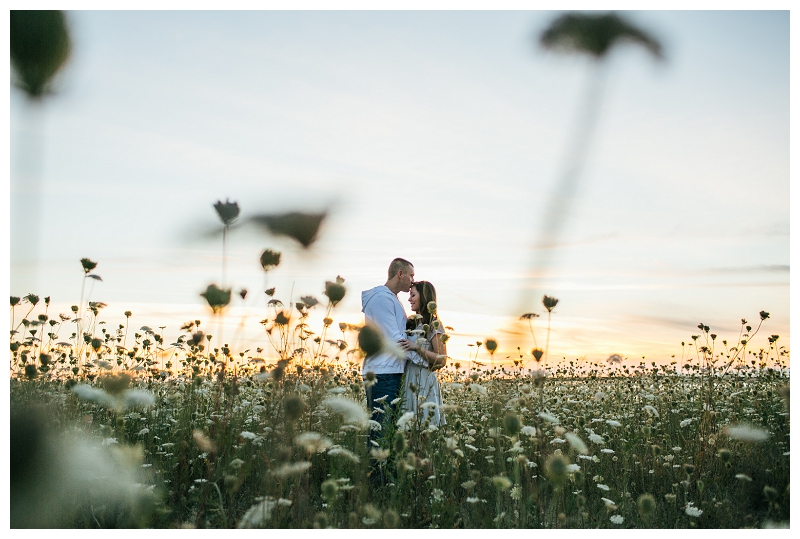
[(406, 278)]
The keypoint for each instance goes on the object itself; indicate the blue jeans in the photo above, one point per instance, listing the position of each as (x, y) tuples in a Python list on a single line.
[(385, 385)]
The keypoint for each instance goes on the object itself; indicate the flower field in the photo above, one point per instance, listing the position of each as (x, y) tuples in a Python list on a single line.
[(106, 434)]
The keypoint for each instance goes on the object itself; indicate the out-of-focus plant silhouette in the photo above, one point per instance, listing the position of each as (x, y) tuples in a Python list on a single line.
[(39, 46), (596, 35), (300, 226), (228, 213)]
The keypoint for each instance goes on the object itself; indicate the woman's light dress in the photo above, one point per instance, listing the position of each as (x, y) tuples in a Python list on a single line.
[(422, 385)]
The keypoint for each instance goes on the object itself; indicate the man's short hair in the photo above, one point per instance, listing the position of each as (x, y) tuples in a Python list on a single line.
[(397, 265)]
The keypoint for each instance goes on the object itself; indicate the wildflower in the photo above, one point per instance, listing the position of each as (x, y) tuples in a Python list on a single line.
[(743, 477), (512, 425), (88, 266), (491, 346), (604, 487), (432, 307), (92, 394), (313, 442), (338, 450), (217, 298), (404, 419), (292, 468), (370, 340), (269, 260), (646, 504), (203, 442), (247, 435), (228, 211), (693, 511), (379, 454), (390, 518), (137, 398), (617, 519), (745, 433), (528, 431), (724, 455), (556, 468), (473, 499), (549, 303), (501, 482), (478, 388), (548, 417), (329, 488), (685, 422), (335, 290), (610, 504), (596, 439), (352, 412), (468, 485), (613, 423), (607, 450), (258, 515), (651, 410), (576, 443), (293, 407)]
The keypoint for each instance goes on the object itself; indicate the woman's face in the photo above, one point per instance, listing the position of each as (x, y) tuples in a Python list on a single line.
[(413, 299)]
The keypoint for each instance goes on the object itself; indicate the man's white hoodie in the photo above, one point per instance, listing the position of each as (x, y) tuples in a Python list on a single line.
[(382, 308)]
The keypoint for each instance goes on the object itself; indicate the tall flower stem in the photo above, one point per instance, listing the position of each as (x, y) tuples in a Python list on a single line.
[(547, 345)]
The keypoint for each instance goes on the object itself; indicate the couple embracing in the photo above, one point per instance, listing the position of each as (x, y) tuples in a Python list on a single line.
[(420, 337)]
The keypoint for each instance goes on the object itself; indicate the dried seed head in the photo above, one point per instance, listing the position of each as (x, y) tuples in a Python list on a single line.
[(370, 340), (646, 504), (557, 469), (293, 405)]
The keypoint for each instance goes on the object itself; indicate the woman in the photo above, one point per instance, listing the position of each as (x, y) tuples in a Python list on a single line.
[(427, 340)]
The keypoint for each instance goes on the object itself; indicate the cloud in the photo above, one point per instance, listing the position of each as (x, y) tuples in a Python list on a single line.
[(763, 268)]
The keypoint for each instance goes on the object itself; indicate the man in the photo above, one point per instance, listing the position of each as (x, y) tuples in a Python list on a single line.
[(382, 309)]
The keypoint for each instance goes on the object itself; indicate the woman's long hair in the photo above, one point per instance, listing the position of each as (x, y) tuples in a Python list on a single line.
[(427, 293)]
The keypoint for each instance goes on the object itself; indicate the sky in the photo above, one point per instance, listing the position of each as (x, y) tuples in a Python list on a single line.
[(437, 136)]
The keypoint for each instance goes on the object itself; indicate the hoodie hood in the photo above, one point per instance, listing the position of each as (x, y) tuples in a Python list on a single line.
[(372, 293)]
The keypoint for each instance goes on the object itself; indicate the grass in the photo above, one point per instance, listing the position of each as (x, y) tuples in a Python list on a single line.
[(190, 434)]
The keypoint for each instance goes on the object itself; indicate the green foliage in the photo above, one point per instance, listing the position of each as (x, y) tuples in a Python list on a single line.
[(145, 434)]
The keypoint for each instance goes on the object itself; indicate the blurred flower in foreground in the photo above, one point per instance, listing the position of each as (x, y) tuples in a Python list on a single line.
[(57, 478), (335, 290), (595, 34), (228, 211), (216, 297), (39, 46), (693, 511), (270, 259), (121, 400), (350, 411), (745, 433), (302, 227)]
